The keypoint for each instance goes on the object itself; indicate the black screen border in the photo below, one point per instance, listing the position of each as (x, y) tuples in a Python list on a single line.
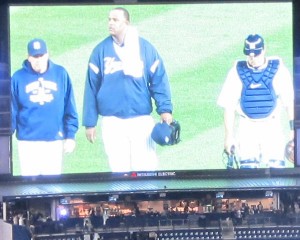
[(253, 173)]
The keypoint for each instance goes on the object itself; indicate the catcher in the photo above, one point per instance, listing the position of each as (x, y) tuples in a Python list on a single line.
[(253, 96)]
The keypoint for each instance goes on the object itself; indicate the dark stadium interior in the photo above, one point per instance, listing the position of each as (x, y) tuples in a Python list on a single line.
[(264, 204), (158, 215)]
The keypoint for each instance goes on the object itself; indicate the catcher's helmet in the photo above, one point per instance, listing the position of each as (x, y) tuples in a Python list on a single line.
[(165, 134), (254, 44)]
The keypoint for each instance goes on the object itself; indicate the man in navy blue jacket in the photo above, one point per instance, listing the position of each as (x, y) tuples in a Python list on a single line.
[(44, 114), (125, 73)]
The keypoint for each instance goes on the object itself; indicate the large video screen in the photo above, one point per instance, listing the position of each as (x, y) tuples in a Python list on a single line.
[(199, 44)]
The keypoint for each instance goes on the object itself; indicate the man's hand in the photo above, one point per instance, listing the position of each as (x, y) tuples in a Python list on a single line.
[(229, 144), (166, 117), (91, 134)]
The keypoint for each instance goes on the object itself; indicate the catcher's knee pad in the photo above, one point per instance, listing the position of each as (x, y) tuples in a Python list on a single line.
[(249, 163), (273, 163)]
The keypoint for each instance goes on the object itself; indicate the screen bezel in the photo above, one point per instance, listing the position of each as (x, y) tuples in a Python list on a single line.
[(177, 174)]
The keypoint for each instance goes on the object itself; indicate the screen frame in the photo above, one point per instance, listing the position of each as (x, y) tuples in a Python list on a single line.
[(162, 174)]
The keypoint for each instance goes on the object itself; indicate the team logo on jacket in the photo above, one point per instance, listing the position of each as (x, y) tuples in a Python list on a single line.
[(41, 90), (111, 65)]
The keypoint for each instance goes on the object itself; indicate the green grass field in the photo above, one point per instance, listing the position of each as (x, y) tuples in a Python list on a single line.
[(199, 43)]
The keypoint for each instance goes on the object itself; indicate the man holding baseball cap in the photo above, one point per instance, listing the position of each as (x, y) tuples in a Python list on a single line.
[(125, 77)]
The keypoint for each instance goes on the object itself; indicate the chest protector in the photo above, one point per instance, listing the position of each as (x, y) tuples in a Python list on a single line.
[(258, 98)]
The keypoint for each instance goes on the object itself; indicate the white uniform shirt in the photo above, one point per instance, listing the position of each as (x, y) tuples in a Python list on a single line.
[(230, 95)]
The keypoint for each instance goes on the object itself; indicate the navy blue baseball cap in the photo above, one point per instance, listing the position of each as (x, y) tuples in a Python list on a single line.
[(162, 133), (254, 44), (37, 47)]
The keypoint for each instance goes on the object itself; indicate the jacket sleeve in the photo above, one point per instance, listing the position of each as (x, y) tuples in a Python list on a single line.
[(70, 111), (159, 85), (92, 86), (14, 106)]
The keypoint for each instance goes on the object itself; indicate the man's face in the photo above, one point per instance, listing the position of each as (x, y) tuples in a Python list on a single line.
[(117, 23), (256, 60), (39, 63)]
